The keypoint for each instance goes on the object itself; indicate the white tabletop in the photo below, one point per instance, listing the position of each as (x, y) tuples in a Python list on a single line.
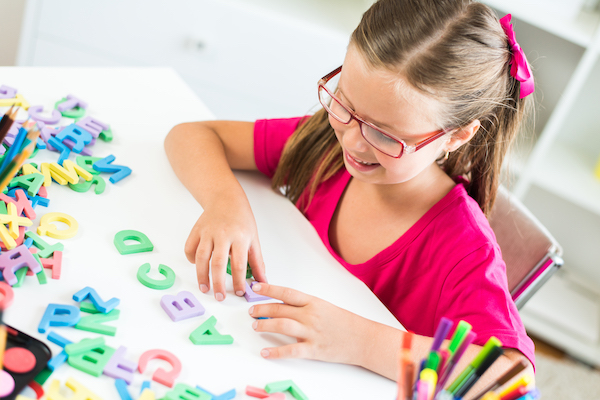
[(142, 105)]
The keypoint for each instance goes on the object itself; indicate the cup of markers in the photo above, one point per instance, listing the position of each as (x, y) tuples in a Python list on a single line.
[(430, 379)]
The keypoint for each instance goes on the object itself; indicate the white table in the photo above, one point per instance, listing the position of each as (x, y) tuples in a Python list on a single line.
[(142, 105)]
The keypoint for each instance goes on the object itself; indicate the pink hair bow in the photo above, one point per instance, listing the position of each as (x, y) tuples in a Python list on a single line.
[(519, 68)]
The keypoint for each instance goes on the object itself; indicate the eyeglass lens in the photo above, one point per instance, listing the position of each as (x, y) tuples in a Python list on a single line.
[(377, 139)]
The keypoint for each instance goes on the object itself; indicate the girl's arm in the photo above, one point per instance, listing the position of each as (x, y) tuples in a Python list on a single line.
[(328, 333), (203, 155)]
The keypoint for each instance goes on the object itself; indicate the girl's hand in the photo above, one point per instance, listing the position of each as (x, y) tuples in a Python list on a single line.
[(227, 228), (323, 331)]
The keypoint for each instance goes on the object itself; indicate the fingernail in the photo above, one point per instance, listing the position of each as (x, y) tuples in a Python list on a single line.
[(239, 293), (256, 287), (219, 296), (203, 288), (254, 325), (251, 310), (264, 353)]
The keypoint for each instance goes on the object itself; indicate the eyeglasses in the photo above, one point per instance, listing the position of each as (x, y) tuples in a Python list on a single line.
[(378, 138)]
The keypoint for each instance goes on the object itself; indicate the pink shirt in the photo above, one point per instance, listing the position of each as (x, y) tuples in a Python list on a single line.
[(447, 264)]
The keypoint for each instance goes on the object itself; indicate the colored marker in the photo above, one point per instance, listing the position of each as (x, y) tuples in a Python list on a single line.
[(460, 333), (444, 395), (433, 361), (517, 367), (422, 390), (532, 395), (468, 383), (405, 360), (441, 333), (490, 396), (444, 355), (429, 377), (453, 359), (515, 394), (523, 381), (409, 374), (490, 344)]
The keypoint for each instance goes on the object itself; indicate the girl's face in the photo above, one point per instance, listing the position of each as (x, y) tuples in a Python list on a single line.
[(389, 102)]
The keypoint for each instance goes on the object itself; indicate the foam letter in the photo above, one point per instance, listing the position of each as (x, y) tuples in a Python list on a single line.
[(79, 136), (120, 368), (186, 392), (70, 103), (208, 334), (182, 306), (160, 375), (22, 202), (92, 361), (6, 295), (61, 148), (61, 357), (158, 284), (84, 186), (144, 244), (93, 126), (7, 92), (105, 165), (35, 112), (101, 305), (80, 392), (45, 249), (54, 263), (58, 315), (18, 101), (15, 259), (95, 323), (29, 182), (13, 220), (87, 163)]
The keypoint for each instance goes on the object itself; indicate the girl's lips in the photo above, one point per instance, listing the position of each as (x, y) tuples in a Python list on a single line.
[(358, 165)]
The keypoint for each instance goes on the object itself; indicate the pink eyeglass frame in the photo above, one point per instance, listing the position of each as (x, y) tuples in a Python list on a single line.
[(405, 148)]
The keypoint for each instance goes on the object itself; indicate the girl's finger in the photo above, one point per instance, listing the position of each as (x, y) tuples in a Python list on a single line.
[(275, 310), (239, 261), (296, 350), (202, 260), (287, 295), (256, 261), (191, 245), (283, 326), (218, 266)]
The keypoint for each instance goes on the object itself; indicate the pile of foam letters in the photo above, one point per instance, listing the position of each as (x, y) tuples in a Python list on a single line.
[(25, 252)]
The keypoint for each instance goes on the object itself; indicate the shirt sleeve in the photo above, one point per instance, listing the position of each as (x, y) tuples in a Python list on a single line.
[(476, 291), (270, 137)]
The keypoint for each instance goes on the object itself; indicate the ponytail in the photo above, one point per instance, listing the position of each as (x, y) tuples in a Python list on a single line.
[(480, 160)]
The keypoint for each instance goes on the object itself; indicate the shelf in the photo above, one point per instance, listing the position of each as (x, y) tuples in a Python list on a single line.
[(567, 316), (569, 174), (579, 30)]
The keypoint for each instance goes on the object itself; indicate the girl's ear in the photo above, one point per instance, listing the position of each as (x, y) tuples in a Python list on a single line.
[(462, 135)]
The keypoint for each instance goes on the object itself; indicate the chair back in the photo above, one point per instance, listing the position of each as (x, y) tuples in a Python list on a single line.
[(530, 252)]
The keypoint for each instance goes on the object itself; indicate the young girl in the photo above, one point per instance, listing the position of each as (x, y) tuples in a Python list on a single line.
[(396, 173)]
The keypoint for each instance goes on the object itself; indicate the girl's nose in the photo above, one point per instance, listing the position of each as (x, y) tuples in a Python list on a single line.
[(353, 137)]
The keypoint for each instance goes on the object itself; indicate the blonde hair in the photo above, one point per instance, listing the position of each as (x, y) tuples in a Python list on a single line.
[(452, 50)]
